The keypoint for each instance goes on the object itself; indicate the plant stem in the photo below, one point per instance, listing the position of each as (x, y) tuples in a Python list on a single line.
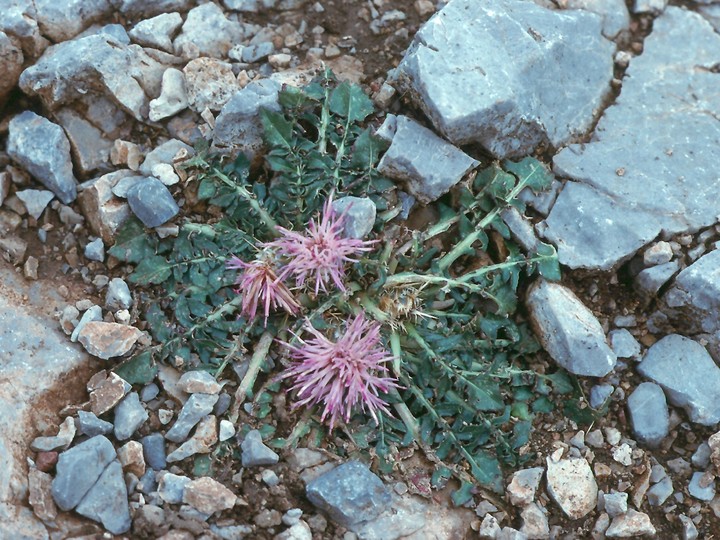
[(265, 217), (411, 423), (258, 357)]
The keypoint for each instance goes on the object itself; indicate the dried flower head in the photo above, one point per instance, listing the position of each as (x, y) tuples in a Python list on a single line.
[(321, 252), (341, 374), (257, 282)]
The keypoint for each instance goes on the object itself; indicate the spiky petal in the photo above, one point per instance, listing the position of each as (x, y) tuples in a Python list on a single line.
[(343, 374), (257, 281), (321, 252)]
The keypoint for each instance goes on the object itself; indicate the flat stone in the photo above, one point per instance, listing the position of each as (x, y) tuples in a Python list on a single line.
[(154, 451), (91, 425), (534, 521), (649, 414), (521, 229), (698, 488), (571, 484), (11, 64), (349, 494), (514, 55), (105, 212), (61, 441), (157, 32), (687, 374), (660, 492), (42, 149), (633, 523), (79, 468), (569, 331), (39, 495), (35, 200), (227, 430), (173, 96), (254, 451), (195, 409), (149, 392), (599, 394), (523, 486), (405, 517), (129, 416), (701, 457), (135, 9), (172, 487), (406, 160), (95, 250), (107, 340), (614, 13), (258, 51), (118, 295), (126, 153), (90, 148), (164, 153), (651, 165), (624, 344), (359, 214), (106, 391), (61, 22), (207, 32), (650, 280), (199, 382), (107, 502), (152, 202), (131, 458), (616, 503), (202, 441), (208, 496)]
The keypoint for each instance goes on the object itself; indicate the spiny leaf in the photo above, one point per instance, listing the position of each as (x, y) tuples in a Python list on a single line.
[(152, 270), (531, 173), (278, 130), (132, 243)]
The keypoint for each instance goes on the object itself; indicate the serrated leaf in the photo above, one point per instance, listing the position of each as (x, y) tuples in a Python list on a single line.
[(531, 173), (151, 271), (132, 243), (139, 370), (278, 129), (349, 101)]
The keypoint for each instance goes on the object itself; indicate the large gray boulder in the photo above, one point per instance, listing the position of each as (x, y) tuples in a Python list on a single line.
[(509, 74), (61, 21), (651, 166), (207, 32)]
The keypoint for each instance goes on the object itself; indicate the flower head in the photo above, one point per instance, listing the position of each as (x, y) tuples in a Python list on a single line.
[(258, 282), (321, 252), (341, 374)]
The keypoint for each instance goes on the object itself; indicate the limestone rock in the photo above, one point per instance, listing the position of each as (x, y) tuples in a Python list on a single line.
[(254, 451), (40, 497), (107, 340), (208, 496), (11, 65), (90, 148), (359, 215), (107, 502), (195, 409), (571, 484), (61, 21), (157, 32), (104, 211), (173, 96), (207, 32), (210, 84), (152, 202), (649, 414), (129, 416), (633, 523), (202, 441), (198, 382), (523, 485)]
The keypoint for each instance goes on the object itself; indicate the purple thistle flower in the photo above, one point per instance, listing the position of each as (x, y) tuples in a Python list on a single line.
[(321, 252), (258, 282), (341, 374)]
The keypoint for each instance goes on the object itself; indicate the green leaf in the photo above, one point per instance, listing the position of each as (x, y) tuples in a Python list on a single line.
[(549, 266), (521, 434), (530, 172), (543, 405), (349, 101), (561, 381), (206, 189), (366, 150), (202, 466), (132, 243), (152, 270), (582, 416), (486, 396), (486, 469), (464, 494), (139, 370), (278, 130)]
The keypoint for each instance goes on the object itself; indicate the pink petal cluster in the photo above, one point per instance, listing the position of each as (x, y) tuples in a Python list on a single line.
[(321, 252), (258, 282), (342, 374)]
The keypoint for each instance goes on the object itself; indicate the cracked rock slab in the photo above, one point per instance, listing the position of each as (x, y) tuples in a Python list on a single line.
[(651, 166), (489, 73)]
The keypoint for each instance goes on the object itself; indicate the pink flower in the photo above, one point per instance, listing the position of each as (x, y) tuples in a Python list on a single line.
[(341, 374), (258, 282), (321, 252)]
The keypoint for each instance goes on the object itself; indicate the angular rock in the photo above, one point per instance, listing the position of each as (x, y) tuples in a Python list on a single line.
[(106, 391), (208, 496), (616, 503), (569, 331), (19, 24), (90, 148), (359, 215), (514, 55), (78, 469), (93, 313), (254, 451), (61, 441), (688, 376), (405, 517), (199, 382), (523, 485), (142, 8), (118, 295), (157, 32), (349, 494), (165, 153), (63, 21), (521, 229), (11, 65), (571, 484), (172, 487), (650, 166), (658, 253), (195, 409), (154, 450), (202, 441), (599, 394), (238, 127), (700, 488), (91, 425), (42, 149), (258, 51), (660, 492), (649, 414), (107, 501), (127, 153), (210, 84), (152, 202), (633, 523), (35, 200), (95, 250), (624, 344), (131, 458), (650, 280), (406, 160), (614, 13), (207, 32), (40, 497), (534, 521), (173, 96), (105, 212), (107, 340), (129, 416)]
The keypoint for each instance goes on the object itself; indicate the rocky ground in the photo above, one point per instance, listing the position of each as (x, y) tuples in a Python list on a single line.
[(104, 98)]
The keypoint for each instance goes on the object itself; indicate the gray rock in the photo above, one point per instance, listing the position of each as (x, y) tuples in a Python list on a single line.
[(649, 414), (90, 148), (222, 405), (571, 484), (172, 487), (514, 55), (62, 440), (651, 165), (118, 295), (129, 416), (154, 450), (249, 6), (78, 469), (35, 200), (701, 457), (173, 96), (521, 229), (599, 394), (698, 490), (157, 32), (148, 482), (630, 524), (406, 160), (207, 32), (149, 392), (238, 127), (94, 313), (61, 21), (260, 51), (107, 501), (614, 13), (688, 375), (95, 250), (658, 253), (151, 201), (42, 148), (660, 492), (195, 409), (649, 6), (712, 14), (11, 64), (199, 382), (690, 531), (142, 8), (569, 331), (254, 451), (623, 343), (359, 216), (210, 84), (650, 280), (165, 153), (91, 425), (616, 503), (349, 494), (201, 442), (100, 64)]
